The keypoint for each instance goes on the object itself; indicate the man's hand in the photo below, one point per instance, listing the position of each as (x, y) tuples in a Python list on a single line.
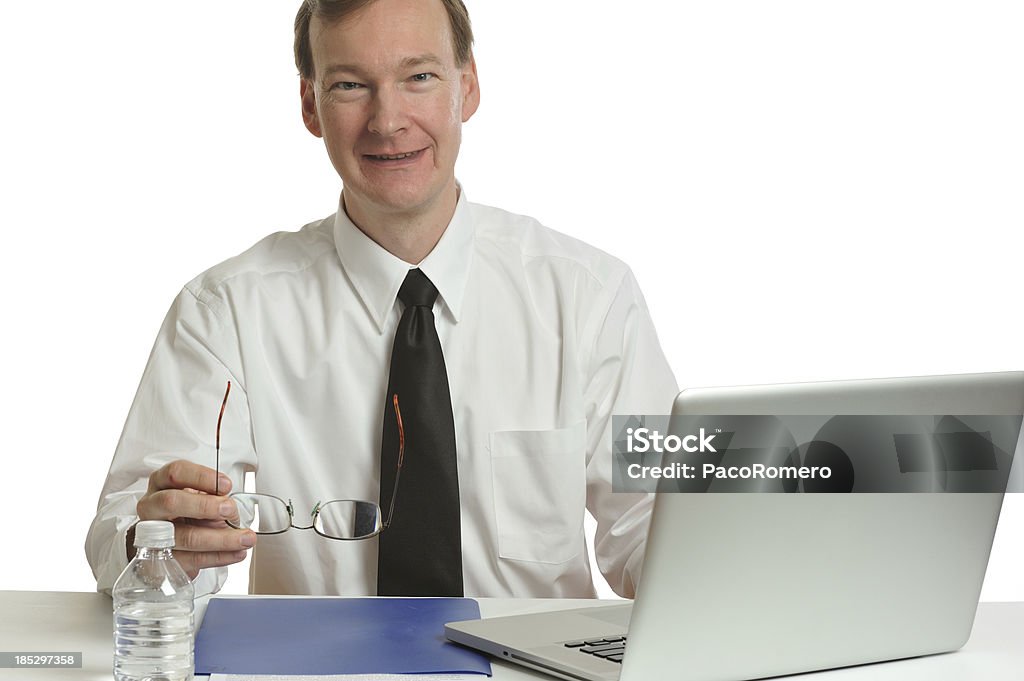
[(186, 494)]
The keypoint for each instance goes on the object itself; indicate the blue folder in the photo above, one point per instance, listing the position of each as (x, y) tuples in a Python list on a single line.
[(313, 636)]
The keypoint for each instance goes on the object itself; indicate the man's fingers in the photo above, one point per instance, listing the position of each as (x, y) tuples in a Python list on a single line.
[(171, 504), (215, 524), (192, 562), (185, 474), (199, 539), (195, 498)]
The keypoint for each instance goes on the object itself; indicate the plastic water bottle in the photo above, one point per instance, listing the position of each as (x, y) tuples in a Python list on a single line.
[(153, 611)]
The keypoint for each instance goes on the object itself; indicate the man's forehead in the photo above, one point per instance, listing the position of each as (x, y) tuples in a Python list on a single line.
[(386, 34)]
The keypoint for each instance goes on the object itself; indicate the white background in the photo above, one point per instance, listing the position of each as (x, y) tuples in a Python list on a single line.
[(805, 190)]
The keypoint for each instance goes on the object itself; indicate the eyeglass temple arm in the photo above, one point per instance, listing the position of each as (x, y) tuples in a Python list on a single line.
[(219, 419), (401, 455)]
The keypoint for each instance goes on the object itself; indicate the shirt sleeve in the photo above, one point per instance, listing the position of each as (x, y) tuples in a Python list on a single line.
[(174, 416), (628, 374)]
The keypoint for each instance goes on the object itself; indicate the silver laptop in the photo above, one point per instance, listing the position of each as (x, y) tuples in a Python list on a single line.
[(744, 586)]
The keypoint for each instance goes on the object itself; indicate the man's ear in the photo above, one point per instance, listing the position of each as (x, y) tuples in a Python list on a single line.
[(309, 115), (470, 89)]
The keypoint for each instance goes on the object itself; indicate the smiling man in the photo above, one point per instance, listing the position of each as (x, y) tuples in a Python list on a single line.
[(454, 363)]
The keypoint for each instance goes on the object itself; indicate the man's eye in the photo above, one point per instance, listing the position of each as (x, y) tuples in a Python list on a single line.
[(347, 86), (423, 77)]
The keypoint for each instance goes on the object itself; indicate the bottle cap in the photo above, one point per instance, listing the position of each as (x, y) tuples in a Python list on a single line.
[(154, 534)]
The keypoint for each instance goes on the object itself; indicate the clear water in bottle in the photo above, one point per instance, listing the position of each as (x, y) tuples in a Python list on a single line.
[(153, 612), (153, 641)]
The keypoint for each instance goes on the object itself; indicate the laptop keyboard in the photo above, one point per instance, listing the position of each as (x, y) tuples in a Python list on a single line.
[(610, 648)]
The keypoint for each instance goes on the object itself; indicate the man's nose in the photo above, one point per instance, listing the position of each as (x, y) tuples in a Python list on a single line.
[(387, 115)]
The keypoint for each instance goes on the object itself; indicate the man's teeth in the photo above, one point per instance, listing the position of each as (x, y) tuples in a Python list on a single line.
[(393, 157)]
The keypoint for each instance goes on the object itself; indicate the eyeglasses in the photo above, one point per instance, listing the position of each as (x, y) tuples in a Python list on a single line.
[(343, 519)]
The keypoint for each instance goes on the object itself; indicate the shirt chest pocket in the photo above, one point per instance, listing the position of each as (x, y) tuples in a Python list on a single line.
[(540, 492)]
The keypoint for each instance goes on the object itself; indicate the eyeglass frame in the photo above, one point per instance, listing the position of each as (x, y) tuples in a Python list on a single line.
[(385, 522)]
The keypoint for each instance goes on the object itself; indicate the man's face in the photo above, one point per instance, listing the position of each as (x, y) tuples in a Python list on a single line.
[(389, 101)]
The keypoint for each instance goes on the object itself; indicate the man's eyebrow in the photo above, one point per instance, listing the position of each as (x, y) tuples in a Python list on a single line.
[(342, 68), (421, 60), (408, 62)]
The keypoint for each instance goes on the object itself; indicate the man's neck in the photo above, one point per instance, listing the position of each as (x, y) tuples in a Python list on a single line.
[(410, 236)]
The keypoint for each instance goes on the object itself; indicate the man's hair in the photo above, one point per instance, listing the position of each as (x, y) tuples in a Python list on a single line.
[(330, 11)]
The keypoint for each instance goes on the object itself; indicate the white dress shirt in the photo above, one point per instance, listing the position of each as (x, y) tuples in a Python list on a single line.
[(544, 338)]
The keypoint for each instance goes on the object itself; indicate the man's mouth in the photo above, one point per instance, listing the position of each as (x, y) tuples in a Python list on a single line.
[(392, 157)]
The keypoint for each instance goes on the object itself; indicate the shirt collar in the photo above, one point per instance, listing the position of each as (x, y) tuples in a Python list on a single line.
[(376, 274)]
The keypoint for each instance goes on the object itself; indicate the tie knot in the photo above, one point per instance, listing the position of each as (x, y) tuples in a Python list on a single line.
[(417, 290)]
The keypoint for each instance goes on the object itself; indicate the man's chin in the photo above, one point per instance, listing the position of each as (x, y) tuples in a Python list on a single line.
[(408, 200)]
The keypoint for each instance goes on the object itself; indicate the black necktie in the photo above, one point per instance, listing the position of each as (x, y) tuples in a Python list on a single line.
[(420, 553)]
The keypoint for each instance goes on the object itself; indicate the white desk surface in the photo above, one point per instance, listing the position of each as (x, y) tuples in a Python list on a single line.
[(53, 621)]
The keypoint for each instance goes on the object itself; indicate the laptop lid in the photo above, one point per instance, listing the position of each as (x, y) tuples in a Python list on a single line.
[(739, 586)]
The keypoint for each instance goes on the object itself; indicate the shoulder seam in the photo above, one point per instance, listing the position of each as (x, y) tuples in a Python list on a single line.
[(204, 301), (604, 315)]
